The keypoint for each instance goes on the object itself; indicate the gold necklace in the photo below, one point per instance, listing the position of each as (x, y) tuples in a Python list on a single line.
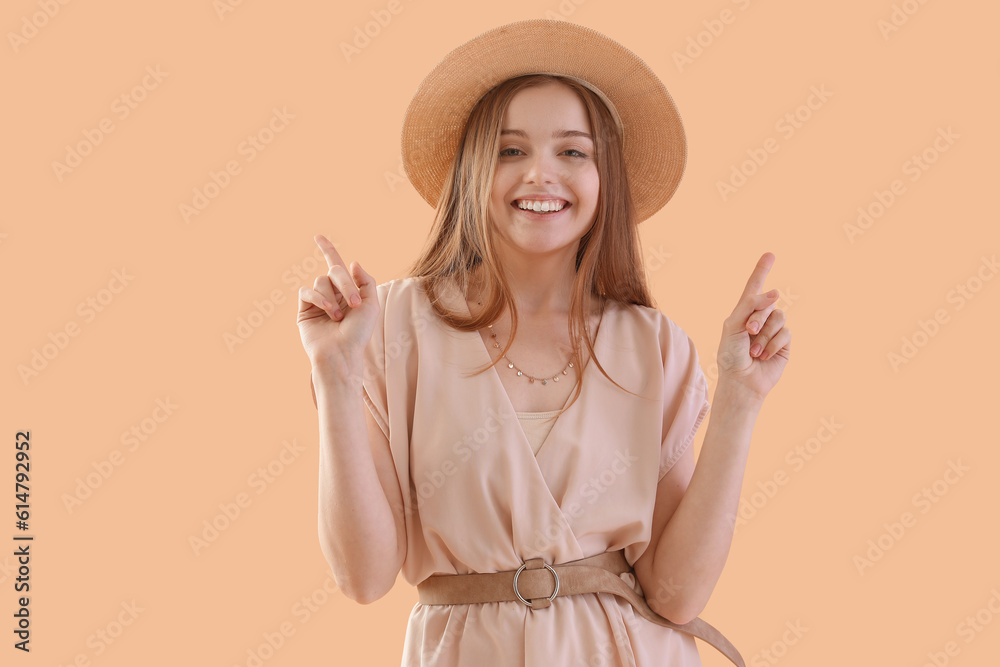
[(510, 364)]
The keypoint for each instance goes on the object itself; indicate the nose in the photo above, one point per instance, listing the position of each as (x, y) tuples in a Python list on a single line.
[(541, 168)]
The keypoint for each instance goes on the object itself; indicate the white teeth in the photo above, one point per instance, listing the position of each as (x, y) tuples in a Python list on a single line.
[(543, 206)]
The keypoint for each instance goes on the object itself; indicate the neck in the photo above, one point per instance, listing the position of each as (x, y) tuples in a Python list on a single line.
[(540, 286)]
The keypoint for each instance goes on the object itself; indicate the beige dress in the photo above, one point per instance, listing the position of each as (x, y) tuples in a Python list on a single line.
[(484, 490)]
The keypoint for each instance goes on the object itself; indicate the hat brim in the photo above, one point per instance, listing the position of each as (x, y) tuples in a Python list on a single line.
[(655, 149)]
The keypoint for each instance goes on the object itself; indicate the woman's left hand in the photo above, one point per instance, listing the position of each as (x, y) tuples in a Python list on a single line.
[(750, 358)]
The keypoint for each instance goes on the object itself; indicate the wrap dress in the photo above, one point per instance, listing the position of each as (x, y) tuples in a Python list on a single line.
[(478, 498)]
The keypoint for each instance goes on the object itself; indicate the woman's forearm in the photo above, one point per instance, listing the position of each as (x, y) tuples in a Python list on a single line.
[(357, 531), (695, 542)]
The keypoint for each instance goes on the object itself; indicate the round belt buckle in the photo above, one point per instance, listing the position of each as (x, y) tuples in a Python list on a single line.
[(518, 573)]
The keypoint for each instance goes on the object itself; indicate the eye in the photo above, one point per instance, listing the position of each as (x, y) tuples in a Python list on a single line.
[(507, 152)]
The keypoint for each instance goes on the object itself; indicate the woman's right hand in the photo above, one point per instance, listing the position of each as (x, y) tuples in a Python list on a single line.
[(327, 337)]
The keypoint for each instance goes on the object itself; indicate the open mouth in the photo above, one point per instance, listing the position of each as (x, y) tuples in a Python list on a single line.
[(540, 207)]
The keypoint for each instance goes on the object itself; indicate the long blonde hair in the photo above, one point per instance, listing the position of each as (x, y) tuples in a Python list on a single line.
[(608, 261)]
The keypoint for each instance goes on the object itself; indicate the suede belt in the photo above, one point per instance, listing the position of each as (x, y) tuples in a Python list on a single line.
[(536, 583)]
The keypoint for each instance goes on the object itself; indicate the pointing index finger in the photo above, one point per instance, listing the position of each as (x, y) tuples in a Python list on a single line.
[(329, 252), (756, 281)]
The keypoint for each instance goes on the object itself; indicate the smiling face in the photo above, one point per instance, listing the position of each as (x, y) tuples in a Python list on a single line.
[(546, 162)]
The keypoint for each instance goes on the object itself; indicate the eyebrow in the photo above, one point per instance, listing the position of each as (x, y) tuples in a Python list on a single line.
[(558, 134)]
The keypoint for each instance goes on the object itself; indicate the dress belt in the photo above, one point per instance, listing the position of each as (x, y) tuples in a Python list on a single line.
[(536, 588)]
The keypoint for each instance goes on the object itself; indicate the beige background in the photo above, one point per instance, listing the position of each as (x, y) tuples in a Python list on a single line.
[(159, 334)]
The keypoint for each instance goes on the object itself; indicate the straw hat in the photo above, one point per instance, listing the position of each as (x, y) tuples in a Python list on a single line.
[(655, 149)]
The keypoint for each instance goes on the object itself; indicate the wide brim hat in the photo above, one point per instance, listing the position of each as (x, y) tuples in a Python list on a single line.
[(654, 146)]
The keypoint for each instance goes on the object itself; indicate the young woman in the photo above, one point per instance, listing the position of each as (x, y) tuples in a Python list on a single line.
[(510, 425)]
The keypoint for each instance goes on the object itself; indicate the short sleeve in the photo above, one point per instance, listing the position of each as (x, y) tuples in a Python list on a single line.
[(374, 367), (685, 394)]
